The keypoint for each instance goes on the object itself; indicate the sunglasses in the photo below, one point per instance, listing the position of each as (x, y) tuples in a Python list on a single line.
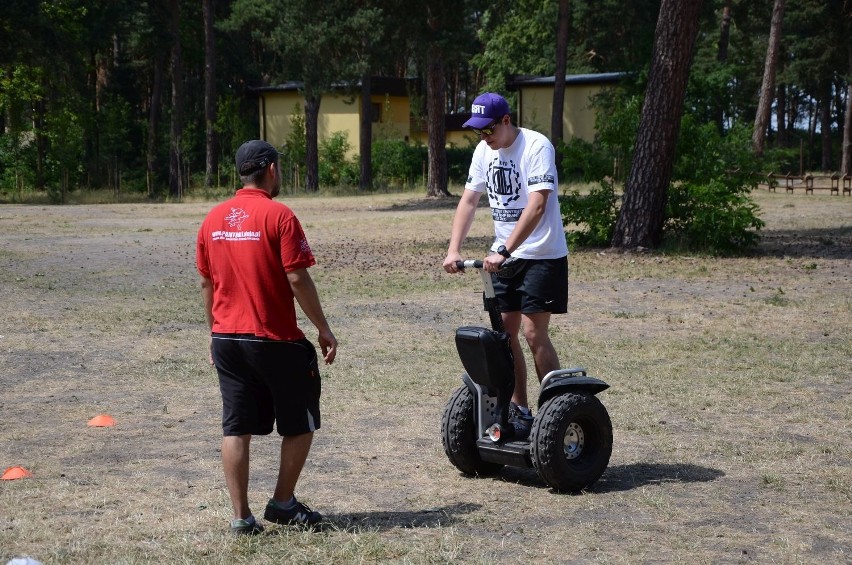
[(487, 131)]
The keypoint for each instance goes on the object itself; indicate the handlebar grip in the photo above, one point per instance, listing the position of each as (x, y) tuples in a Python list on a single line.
[(469, 263)]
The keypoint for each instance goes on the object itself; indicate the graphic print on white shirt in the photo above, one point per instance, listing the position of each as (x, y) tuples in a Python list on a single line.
[(503, 180)]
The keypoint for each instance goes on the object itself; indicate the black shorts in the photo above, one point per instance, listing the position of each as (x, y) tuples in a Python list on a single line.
[(540, 286), (265, 381)]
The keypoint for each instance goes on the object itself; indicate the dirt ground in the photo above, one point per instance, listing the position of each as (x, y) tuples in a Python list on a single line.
[(730, 396)]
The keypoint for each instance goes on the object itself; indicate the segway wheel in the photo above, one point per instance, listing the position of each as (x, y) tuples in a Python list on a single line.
[(571, 441), (458, 435)]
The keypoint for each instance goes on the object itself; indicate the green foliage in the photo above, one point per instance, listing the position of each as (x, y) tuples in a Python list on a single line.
[(458, 163), (709, 207), (17, 163), (782, 160), (712, 216), (334, 168), (294, 150), (233, 130), (64, 167), (397, 163), (594, 213), (617, 121), (583, 161), (77, 79), (519, 35)]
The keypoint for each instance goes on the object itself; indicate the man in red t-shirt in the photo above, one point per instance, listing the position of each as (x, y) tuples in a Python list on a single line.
[(253, 259)]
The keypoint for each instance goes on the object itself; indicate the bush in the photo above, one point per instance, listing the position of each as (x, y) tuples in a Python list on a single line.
[(595, 213), (711, 217), (708, 207), (458, 163), (397, 163), (334, 168), (583, 161)]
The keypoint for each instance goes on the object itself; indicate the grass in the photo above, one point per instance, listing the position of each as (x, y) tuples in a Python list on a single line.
[(729, 396)]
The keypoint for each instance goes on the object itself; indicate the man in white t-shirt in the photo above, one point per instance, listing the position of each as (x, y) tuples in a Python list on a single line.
[(516, 168)]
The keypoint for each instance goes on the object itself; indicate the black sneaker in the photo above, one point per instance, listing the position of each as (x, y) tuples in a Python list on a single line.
[(521, 419), (299, 515), (245, 527)]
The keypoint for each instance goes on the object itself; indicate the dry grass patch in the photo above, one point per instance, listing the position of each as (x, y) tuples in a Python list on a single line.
[(730, 396)]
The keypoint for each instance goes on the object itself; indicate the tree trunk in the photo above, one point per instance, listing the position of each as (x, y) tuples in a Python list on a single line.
[(312, 108), (642, 215), (212, 142), (176, 184), (846, 151), (781, 115), (813, 118), (366, 133), (767, 88), (154, 122), (722, 58), (724, 33), (39, 114), (825, 126), (435, 111), (556, 129)]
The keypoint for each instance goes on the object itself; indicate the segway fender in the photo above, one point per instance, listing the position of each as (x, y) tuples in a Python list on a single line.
[(576, 381)]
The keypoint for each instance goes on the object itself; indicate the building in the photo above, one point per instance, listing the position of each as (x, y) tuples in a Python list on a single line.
[(535, 102), (340, 110)]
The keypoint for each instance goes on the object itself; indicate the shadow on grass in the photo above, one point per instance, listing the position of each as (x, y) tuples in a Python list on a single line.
[(381, 521), (429, 203), (827, 243), (619, 478)]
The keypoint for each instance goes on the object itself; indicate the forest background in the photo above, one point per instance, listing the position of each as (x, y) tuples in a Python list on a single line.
[(152, 98)]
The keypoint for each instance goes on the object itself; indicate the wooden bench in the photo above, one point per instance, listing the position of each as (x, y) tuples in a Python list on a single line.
[(836, 184), (790, 179)]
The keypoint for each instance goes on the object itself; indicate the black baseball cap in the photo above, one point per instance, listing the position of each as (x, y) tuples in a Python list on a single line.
[(255, 155)]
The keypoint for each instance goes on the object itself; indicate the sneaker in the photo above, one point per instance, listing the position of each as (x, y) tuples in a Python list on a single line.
[(245, 527), (521, 419), (299, 515)]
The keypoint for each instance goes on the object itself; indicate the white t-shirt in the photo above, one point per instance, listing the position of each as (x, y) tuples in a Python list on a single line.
[(508, 176)]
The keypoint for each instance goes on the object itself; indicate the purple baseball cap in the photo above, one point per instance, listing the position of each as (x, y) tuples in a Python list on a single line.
[(487, 108)]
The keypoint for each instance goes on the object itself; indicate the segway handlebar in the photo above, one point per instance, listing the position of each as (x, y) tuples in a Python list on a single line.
[(476, 264)]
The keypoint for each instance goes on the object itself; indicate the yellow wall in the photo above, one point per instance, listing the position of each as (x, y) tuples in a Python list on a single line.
[(337, 114), (457, 138), (578, 119)]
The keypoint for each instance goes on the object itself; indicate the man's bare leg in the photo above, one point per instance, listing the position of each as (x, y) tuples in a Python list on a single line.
[(536, 332), (235, 461), (294, 453)]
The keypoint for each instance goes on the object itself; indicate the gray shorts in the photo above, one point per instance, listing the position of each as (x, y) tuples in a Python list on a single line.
[(264, 382), (540, 286)]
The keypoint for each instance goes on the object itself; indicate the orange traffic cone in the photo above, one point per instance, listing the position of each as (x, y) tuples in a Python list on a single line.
[(13, 473), (102, 421)]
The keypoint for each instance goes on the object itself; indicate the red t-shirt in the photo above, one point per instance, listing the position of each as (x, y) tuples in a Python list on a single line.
[(245, 246)]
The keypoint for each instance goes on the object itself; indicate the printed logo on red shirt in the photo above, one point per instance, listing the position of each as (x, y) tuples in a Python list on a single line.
[(236, 218)]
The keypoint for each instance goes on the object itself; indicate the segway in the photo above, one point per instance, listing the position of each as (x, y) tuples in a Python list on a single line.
[(570, 443)]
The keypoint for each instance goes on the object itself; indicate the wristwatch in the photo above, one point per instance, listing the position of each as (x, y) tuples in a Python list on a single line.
[(503, 251)]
